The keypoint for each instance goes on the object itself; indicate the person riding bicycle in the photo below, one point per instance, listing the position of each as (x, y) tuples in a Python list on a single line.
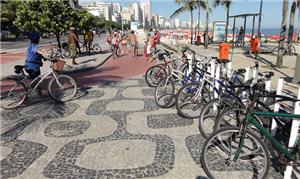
[(34, 56)]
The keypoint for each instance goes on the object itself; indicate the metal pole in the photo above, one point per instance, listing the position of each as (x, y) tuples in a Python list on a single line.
[(233, 33), (245, 22), (259, 21), (253, 25), (198, 20), (122, 17)]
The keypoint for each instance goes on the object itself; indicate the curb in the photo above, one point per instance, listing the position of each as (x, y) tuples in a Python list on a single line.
[(169, 47), (87, 68)]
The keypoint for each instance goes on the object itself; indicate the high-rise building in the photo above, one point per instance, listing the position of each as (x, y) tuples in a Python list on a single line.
[(116, 7), (162, 21), (145, 6), (103, 10), (177, 23), (136, 12)]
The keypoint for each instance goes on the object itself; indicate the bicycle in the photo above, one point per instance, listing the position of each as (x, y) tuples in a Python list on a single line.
[(240, 149), (14, 91), (289, 49), (229, 104), (190, 72), (157, 72), (95, 47)]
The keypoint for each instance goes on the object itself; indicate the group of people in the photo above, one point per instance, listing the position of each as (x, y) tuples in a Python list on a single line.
[(153, 38), (73, 41), (120, 40)]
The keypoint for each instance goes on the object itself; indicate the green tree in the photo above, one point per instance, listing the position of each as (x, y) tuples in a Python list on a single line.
[(8, 15), (285, 8), (187, 5), (55, 16), (226, 4)]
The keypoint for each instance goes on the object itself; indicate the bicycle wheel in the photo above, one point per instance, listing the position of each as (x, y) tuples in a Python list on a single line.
[(190, 100), (209, 114), (97, 48), (63, 88), (164, 93), (275, 51), (66, 54), (154, 75), (291, 50), (13, 93), (218, 153)]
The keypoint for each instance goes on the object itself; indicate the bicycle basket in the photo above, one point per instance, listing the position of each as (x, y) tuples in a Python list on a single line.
[(58, 65)]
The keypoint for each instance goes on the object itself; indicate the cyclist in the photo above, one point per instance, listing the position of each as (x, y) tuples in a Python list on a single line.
[(34, 56)]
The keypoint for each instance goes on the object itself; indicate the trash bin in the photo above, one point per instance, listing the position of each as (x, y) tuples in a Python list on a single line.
[(224, 51), (254, 45)]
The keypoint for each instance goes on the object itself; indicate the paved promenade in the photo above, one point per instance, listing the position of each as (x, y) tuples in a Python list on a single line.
[(112, 129)]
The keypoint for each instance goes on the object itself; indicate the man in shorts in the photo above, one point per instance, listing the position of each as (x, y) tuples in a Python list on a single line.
[(72, 43)]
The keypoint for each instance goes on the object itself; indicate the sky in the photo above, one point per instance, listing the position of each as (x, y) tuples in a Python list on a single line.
[(272, 10)]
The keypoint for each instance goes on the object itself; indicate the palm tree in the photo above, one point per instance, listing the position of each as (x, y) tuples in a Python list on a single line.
[(285, 8), (298, 29), (292, 21), (202, 4), (227, 4), (187, 5)]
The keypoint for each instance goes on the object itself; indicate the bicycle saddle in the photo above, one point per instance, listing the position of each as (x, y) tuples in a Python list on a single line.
[(241, 71), (19, 69), (267, 74)]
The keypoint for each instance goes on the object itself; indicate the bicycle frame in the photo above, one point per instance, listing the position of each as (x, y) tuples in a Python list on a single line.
[(40, 79), (249, 119)]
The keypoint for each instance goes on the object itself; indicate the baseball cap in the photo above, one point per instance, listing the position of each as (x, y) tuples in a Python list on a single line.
[(33, 35)]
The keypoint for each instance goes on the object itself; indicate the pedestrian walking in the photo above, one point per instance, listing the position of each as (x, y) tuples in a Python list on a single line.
[(88, 39), (77, 43), (241, 36), (133, 43), (73, 40)]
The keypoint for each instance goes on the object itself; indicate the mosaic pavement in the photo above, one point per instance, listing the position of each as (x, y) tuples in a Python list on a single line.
[(110, 130)]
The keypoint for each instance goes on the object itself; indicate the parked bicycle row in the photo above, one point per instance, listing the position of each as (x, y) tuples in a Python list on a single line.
[(234, 110)]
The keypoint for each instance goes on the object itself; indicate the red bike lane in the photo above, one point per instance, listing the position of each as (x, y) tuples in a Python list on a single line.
[(118, 69)]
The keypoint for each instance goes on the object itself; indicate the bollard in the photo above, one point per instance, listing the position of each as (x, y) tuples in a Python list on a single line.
[(296, 78)]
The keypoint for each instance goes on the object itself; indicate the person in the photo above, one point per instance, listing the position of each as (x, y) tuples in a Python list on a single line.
[(34, 56), (88, 39), (109, 38), (198, 40), (133, 43), (241, 36), (124, 42), (115, 41), (73, 40), (77, 43), (157, 37), (33, 60)]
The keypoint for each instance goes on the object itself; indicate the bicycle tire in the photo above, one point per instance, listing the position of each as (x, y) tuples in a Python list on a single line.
[(56, 92), (66, 54), (97, 48), (150, 75), (208, 113), (207, 158), (198, 102), (6, 89), (291, 50), (166, 102)]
